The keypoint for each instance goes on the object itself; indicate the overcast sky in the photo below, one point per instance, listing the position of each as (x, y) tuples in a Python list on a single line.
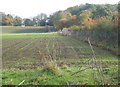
[(30, 8)]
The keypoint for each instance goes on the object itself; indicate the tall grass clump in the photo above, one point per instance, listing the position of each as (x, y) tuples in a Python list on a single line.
[(51, 67)]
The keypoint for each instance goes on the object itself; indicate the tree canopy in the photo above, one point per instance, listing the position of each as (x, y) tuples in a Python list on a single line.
[(84, 16)]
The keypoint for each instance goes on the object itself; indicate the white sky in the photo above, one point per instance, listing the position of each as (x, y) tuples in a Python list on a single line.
[(30, 8)]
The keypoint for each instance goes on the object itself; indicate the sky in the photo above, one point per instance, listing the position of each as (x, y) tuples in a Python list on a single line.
[(30, 8)]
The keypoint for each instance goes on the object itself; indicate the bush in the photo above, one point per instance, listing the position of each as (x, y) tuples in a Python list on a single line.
[(51, 67), (103, 24)]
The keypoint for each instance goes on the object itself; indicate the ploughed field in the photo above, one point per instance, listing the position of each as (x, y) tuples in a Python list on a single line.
[(37, 57)]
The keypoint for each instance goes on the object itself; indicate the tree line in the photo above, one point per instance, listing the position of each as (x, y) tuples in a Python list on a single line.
[(87, 16), (11, 20)]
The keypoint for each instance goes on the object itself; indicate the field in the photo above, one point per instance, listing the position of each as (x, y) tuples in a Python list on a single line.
[(37, 57)]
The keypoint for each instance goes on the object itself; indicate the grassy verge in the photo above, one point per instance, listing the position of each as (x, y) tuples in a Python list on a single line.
[(42, 77)]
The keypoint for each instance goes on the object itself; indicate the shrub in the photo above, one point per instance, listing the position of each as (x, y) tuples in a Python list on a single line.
[(51, 67), (103, 24)]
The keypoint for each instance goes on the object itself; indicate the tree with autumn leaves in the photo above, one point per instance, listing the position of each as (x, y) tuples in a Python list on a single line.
[(62, 19), (88, 16), (9, 20)]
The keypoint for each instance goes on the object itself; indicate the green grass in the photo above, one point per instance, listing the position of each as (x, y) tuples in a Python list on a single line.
[(28, 35), (19, 29), (24, 50), (9, 32), (41, 77)]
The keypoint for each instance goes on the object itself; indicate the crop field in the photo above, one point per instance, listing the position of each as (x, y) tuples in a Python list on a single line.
[(37, 57)]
